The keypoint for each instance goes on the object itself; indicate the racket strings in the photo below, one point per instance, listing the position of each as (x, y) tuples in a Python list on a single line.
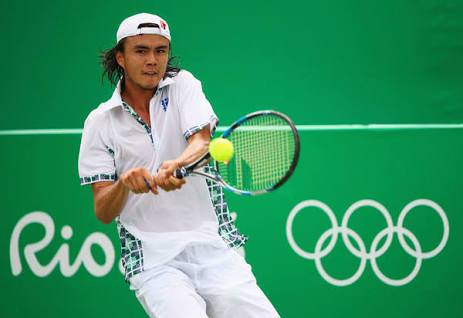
[(264, 151)]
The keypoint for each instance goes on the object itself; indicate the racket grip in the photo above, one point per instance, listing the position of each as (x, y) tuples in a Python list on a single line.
[(180, 173)]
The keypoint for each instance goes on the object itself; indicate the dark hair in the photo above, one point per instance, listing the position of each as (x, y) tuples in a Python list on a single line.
[(114, 72)]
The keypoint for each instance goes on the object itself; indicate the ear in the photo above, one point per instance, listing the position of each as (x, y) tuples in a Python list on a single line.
[(120, 59)]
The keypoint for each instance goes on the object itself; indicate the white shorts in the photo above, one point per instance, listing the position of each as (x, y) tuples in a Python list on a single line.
[(202, 281)]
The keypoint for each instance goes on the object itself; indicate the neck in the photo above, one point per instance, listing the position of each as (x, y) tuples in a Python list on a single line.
[(137, 97)]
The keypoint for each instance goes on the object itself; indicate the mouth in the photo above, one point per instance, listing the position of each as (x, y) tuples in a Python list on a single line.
[(150, 73)]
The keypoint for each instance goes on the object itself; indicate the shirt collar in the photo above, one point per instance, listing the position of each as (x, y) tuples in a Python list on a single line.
[(116, 99)]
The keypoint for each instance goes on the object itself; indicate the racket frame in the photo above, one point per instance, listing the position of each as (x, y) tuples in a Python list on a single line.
[(215, 171)]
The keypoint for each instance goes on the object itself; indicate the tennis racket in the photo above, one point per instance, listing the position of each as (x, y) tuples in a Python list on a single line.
[(266, 151)]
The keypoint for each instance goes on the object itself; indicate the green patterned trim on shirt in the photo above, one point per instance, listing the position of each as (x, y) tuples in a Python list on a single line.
[(131, 252), (193, 130), (97, 177), (227, 228), (138, 118)]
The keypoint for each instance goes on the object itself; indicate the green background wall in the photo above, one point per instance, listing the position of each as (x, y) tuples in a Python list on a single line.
[(330, 62)]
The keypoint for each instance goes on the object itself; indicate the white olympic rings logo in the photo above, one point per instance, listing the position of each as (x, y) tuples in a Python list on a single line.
[(362, 252)]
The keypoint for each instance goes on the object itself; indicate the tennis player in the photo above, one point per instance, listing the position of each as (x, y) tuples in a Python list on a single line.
[(177, 237)]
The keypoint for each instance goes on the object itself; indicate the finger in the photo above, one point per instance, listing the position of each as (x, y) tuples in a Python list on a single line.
[(148, 183), (181, 180), (154, 185), (169, 185), (163, 182), (146, 178), (129, 183), (139, 184), (159, 181), (143, 184), (165, 174), (177, 183), (151, 183)]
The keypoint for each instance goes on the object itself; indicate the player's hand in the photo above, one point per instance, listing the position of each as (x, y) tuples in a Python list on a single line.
[(139, 180), (165, 179)]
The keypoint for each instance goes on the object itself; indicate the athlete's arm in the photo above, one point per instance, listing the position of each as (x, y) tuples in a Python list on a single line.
[(197, 146), (110, 197)]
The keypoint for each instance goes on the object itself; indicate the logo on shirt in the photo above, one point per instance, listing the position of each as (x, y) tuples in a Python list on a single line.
[(165, 103)]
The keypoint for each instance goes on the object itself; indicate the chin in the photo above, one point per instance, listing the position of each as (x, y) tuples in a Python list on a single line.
[(152, 83), (149, 86)]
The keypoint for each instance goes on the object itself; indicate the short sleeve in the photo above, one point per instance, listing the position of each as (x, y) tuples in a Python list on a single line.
[(195, 110), (96, 157)]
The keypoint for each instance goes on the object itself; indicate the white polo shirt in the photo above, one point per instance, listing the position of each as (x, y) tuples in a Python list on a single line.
[(153, 228)]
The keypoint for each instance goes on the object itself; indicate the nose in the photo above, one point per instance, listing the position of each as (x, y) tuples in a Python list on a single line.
[(151, 58)]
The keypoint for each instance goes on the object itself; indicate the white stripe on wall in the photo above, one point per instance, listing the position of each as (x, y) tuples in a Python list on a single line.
[(77, 131)]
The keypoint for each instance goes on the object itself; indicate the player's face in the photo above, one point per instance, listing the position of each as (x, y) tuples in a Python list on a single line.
[(144, 60)]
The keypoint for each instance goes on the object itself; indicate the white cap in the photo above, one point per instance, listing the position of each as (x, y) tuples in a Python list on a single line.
[(134, 26)]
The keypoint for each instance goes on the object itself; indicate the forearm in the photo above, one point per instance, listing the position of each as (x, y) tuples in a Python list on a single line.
[(109, 201), (195, 149), (198, 145)]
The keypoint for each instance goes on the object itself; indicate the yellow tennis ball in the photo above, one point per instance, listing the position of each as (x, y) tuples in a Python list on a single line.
[(221, 149)]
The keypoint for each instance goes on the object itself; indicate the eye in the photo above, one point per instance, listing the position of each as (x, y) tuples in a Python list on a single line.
[(140, 51), (161, 51)]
